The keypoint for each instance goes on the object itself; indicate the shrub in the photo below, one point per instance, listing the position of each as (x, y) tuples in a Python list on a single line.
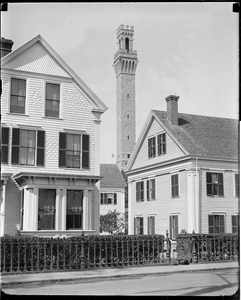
[(207, 247), (31, 253)]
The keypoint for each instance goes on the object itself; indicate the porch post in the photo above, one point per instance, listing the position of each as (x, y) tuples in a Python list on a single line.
[(2, 207)]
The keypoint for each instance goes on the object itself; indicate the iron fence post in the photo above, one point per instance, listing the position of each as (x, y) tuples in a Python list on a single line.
[(194, 252), (168, 243), (82, 256)]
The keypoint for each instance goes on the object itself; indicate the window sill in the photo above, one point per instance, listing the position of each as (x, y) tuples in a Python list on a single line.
[(215, 196), (18, 114), (25, 166), (73, 169), (52, 118)]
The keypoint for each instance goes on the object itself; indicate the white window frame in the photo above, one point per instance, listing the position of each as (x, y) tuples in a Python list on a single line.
[(178, 224), (27, 95), (148, 180), (178, 196), (60, 99), (219, 213), (234, 184)]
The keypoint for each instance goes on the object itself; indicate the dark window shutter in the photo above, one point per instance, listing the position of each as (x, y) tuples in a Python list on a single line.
[(170, 227), (220, 184), (210, 224), (115, 198), (164, 143), (175, 226), (40, 148), (141, 225), (153, 189), (5, 143), (85, 151), (62, 149), (15, 145), (147, 190), (148, 225), (101, 198)]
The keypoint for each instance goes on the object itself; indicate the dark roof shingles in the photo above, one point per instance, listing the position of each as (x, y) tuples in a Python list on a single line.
[(203, 135), (112, 176)]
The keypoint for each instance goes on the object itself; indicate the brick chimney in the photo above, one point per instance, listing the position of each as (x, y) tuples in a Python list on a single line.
[(172, 109), (6, 46)]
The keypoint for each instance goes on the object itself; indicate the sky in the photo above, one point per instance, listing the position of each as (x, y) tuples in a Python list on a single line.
[(188, 49)]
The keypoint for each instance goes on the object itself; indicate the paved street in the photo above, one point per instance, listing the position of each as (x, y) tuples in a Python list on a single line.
[(197, 283)]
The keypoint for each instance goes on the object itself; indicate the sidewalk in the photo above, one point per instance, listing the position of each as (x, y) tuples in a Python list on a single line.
[(16, 279)]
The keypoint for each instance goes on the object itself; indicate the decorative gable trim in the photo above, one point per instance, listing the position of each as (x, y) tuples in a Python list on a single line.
[(97, 103)]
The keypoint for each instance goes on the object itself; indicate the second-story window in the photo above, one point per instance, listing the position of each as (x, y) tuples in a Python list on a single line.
[(214, 184), (140, 191), (152, 147), (150, 189), (28, 147), (73, 150), (18, 96), (175, 186), (52, 100)]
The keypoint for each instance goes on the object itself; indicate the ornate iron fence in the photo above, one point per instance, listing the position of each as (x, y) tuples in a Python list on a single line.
[(35, 254), (204, 248)]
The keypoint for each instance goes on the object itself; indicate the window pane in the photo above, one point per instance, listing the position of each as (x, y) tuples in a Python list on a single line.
[(70, 141), (46, 209), (22, 88), (24, 138), (14, 86), (23, 156), (32, 138), (31, 156), (210, 220), (74, 209), (49, 91)]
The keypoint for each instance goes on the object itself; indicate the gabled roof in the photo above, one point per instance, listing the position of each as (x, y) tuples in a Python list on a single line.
[(97, 103), (196, 135), (203, 135), (112, 176)]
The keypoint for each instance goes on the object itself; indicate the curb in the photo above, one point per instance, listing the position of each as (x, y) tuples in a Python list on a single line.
[(90, 277)]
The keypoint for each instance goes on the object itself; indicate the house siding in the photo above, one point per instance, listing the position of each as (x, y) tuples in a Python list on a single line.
[(119, 207), (76, 110), (36, 60), (12, 208), (79, 112), (163, 206), (227, 205), (172, 149)]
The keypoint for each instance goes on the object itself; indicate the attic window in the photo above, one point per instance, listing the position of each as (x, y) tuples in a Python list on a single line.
[(152, 147)]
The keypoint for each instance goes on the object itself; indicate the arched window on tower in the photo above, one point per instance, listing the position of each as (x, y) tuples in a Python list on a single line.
[(127, 44), (119, 44)]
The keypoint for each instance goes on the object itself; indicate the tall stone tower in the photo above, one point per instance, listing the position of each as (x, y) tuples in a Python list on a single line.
[(125, 62)]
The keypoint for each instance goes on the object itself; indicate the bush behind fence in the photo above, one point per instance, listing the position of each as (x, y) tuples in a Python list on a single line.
[(25, 253), (204, 248)]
